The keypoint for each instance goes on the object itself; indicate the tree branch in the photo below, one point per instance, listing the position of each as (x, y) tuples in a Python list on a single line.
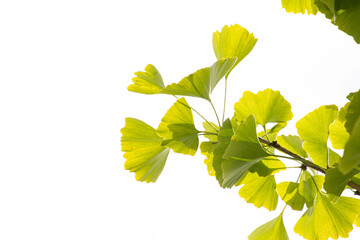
[(307, 163)]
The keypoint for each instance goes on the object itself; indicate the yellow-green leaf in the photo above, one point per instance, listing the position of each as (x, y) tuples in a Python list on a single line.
[(178, 130), (144, 153), (273, 230), (260, 191), (307, 187), (351, 157), (293, 144), (300, 6), (314, 130), (233, 41), (267, 106), (324, 219), (289, 193), (148, 82)]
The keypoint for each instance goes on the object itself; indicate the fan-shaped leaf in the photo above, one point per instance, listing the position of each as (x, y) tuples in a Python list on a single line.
[(202, 82), (300, 6), (266, 106), (324, 219), (314, 130), (148, 82), (143, 151), (233, 41), (335, 181), (352, 112), (307, 187), (349, 22), (351, 157), (260, 191), (273, 230), (178, 130), (289, 193)]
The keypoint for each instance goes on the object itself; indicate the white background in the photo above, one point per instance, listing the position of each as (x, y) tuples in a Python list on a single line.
[(64, 69)]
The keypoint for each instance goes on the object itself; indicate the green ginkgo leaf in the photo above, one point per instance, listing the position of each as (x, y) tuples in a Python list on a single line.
[(338, 134), (324, 219), (273, 230), (267, 166), (352, 112), (202, 82), (233, 41), (148, 82), (267, 106), (144, 153), (336, 181), (224, 137), (309, 186), (300, 6), (211, 128), (178, 129), (351, 157), (260, 191), (293, 144), (349, 22), (243, 152), (314, 130), (290, 194), (207, 149)]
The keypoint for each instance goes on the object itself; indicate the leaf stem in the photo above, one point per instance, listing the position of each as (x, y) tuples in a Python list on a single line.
[(223, 116), (217, 117)]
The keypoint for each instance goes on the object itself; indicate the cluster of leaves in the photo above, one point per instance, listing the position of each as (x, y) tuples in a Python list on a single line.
[(237, 154), (343, 13)]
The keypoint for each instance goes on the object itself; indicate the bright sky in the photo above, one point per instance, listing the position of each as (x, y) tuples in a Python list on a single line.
[(64, 69)]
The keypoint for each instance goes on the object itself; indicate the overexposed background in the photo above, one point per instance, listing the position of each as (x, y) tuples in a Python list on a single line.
[(64, 69)]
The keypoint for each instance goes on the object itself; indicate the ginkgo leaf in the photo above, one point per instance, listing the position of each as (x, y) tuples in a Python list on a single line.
[(314, 130), (144, 153), (211, 128), (260, 191), (349, 22), (207, 149), (293, 144), (224, 136), (300, 6), (307, 187), (202, 82), (272, 230), (233, 41), (289, 193), (243, 152), (324, 219), (267, 106), (351, 157), (148, 82), (178, 130), (335, 181), (267, 166), (352, 112), (338, 134)]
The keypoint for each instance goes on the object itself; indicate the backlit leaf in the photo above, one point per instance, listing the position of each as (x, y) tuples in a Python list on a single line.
[(293, 144), (202, 82), (267, 166), (335, 181), (289, 193), (307, 187), (352, 112), (178, 130), (324, 219), (207, 149), (273, 230), (349, 22), (144, 153), (148, 82), (314, 130), (338, 134), (300, 6), (233, 41), (267, 106), (260, 191), (351, 157)]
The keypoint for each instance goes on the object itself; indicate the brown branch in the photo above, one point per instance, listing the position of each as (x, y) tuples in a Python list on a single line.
[(305, 162)]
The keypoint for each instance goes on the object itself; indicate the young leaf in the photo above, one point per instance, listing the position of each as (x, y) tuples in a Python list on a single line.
[(314, 130), (267, 106), (293, 144), (178, 130), (202, 82), (307, 187), (338, 134), (267, 166), (233, 41), (211, 128), (300, 6), (324, 219), (273, 230), (289, 193), (260, 191), (207, 149), (351, 157), (224, 136), (143, 151), (148, 82)]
